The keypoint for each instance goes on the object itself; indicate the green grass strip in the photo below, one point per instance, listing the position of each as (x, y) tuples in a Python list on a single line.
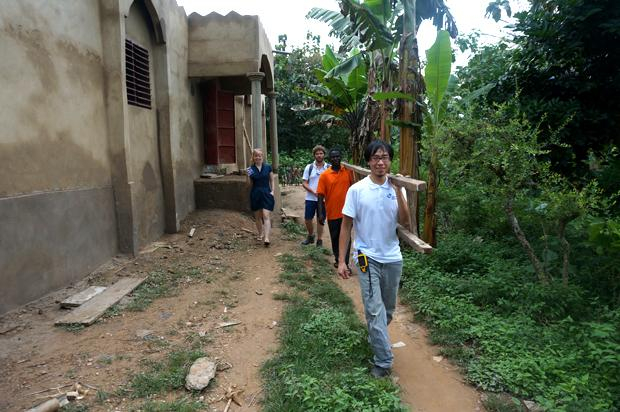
[(323, 361)]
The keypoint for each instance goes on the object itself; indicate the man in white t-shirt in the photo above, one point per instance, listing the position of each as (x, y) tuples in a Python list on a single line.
[(373, 207), (310, 178)]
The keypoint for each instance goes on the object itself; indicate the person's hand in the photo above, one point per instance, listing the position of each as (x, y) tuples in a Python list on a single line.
[(343, 270)]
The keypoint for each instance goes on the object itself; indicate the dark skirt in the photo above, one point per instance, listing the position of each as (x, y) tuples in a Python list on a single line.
[(261, 198)]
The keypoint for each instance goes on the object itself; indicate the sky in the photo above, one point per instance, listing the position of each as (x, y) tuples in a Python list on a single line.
[(288, 17)]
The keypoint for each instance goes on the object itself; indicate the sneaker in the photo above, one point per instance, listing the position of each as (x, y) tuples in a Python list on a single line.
[(309, 240), (379, 372), (319, 243)]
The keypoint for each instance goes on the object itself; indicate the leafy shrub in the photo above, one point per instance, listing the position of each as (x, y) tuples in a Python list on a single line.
[(514, 335)]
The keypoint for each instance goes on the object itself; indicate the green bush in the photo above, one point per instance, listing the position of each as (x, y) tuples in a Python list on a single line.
[(509, 333)]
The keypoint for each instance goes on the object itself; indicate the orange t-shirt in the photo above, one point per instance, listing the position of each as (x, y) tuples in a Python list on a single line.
[(334, 186)]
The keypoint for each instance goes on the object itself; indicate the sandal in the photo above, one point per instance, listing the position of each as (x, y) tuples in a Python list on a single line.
[(267, 243)]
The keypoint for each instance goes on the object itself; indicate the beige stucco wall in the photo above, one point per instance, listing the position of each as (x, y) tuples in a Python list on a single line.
[(53, 133), (56, 200), (231, 45)]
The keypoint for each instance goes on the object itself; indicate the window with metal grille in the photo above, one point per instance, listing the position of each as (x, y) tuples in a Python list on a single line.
[(137, 75)]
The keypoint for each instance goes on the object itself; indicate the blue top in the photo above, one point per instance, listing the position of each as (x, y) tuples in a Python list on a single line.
[(260, 196)]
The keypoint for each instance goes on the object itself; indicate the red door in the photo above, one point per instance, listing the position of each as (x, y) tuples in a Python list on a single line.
[(219, 125)]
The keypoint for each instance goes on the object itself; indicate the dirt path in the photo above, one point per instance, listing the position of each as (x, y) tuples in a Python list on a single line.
[(223, 275)]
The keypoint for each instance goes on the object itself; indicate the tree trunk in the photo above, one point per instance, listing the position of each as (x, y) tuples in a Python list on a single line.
[(364, 135), (430, 217), (409, 79), (565, 245), (514, 223)]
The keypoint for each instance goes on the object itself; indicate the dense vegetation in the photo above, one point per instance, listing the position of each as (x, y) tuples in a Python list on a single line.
[(523, 289)]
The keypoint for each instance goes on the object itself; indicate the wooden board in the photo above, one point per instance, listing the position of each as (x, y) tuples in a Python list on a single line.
[(414, 241), (89, 312), (82, 297), (400, 181)]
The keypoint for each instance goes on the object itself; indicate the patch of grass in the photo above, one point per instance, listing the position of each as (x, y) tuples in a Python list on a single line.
[(105, 359), (102, 396), (197, 341), (73, 327), (502, 403), (159, 283), (164, 376), (74, 407), (323, 360), (292, 230), (177, 405)]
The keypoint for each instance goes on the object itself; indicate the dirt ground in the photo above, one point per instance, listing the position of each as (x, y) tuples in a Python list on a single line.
[(238, 278)]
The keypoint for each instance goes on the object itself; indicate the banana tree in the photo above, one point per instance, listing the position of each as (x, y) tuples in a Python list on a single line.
[(379, 26), (341, 95), (439, 83)]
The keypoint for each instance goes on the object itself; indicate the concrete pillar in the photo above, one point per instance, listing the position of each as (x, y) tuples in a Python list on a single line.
[(257, 127), (113, 37), (273, 125)]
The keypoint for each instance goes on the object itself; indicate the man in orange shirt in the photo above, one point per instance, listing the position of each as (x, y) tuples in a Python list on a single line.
[(333, 186)]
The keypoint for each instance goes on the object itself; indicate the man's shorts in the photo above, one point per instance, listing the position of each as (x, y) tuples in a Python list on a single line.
[(311, 210)]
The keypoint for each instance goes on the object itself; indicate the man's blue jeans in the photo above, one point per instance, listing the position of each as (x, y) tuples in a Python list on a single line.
[(379, 287)]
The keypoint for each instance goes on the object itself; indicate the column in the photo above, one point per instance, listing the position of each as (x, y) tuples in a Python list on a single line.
[(257, 127), (273, 125)]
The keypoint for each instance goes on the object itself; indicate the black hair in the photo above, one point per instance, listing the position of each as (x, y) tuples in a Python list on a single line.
[(374, 146), (334, 149)]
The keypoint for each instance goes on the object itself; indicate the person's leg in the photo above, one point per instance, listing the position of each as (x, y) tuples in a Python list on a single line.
[(266, 225), (376, 317), (258, 220), (319, 231), (334, 235), (389, 287), (309, 212)]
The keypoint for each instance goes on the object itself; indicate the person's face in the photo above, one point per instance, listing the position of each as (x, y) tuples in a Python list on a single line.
[(334, 159), (257, 157), (319, 155), (380, 163)]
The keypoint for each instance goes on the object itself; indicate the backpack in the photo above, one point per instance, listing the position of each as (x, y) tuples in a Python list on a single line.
[(312, 167)]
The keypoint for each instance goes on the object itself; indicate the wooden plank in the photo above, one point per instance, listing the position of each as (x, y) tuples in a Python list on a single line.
[(400, 181), (81, 297), (413, 241), (89, 312)]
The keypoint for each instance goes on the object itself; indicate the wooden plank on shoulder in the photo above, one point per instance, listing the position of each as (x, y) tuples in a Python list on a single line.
[(400, 181), (414, 241), (90, 311)]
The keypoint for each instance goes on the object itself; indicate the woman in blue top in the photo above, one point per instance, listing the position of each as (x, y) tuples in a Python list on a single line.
[(261, 196)]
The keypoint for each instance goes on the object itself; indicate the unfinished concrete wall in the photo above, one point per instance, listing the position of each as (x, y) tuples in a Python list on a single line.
[(186, 113), (56, 200), (144, 153)]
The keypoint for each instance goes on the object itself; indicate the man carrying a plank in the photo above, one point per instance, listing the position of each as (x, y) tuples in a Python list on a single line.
[(373, 207)]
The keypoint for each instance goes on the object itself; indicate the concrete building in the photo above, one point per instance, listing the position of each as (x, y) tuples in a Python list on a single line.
[(110, 111)]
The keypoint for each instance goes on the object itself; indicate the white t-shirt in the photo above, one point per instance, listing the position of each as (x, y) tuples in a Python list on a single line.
[(374, 210), (313, 179)]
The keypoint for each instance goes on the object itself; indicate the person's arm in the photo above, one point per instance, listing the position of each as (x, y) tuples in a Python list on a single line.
[(272, 182), (403, 209), (306, 186), (305, 181), (321, 207), (345, 238)]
